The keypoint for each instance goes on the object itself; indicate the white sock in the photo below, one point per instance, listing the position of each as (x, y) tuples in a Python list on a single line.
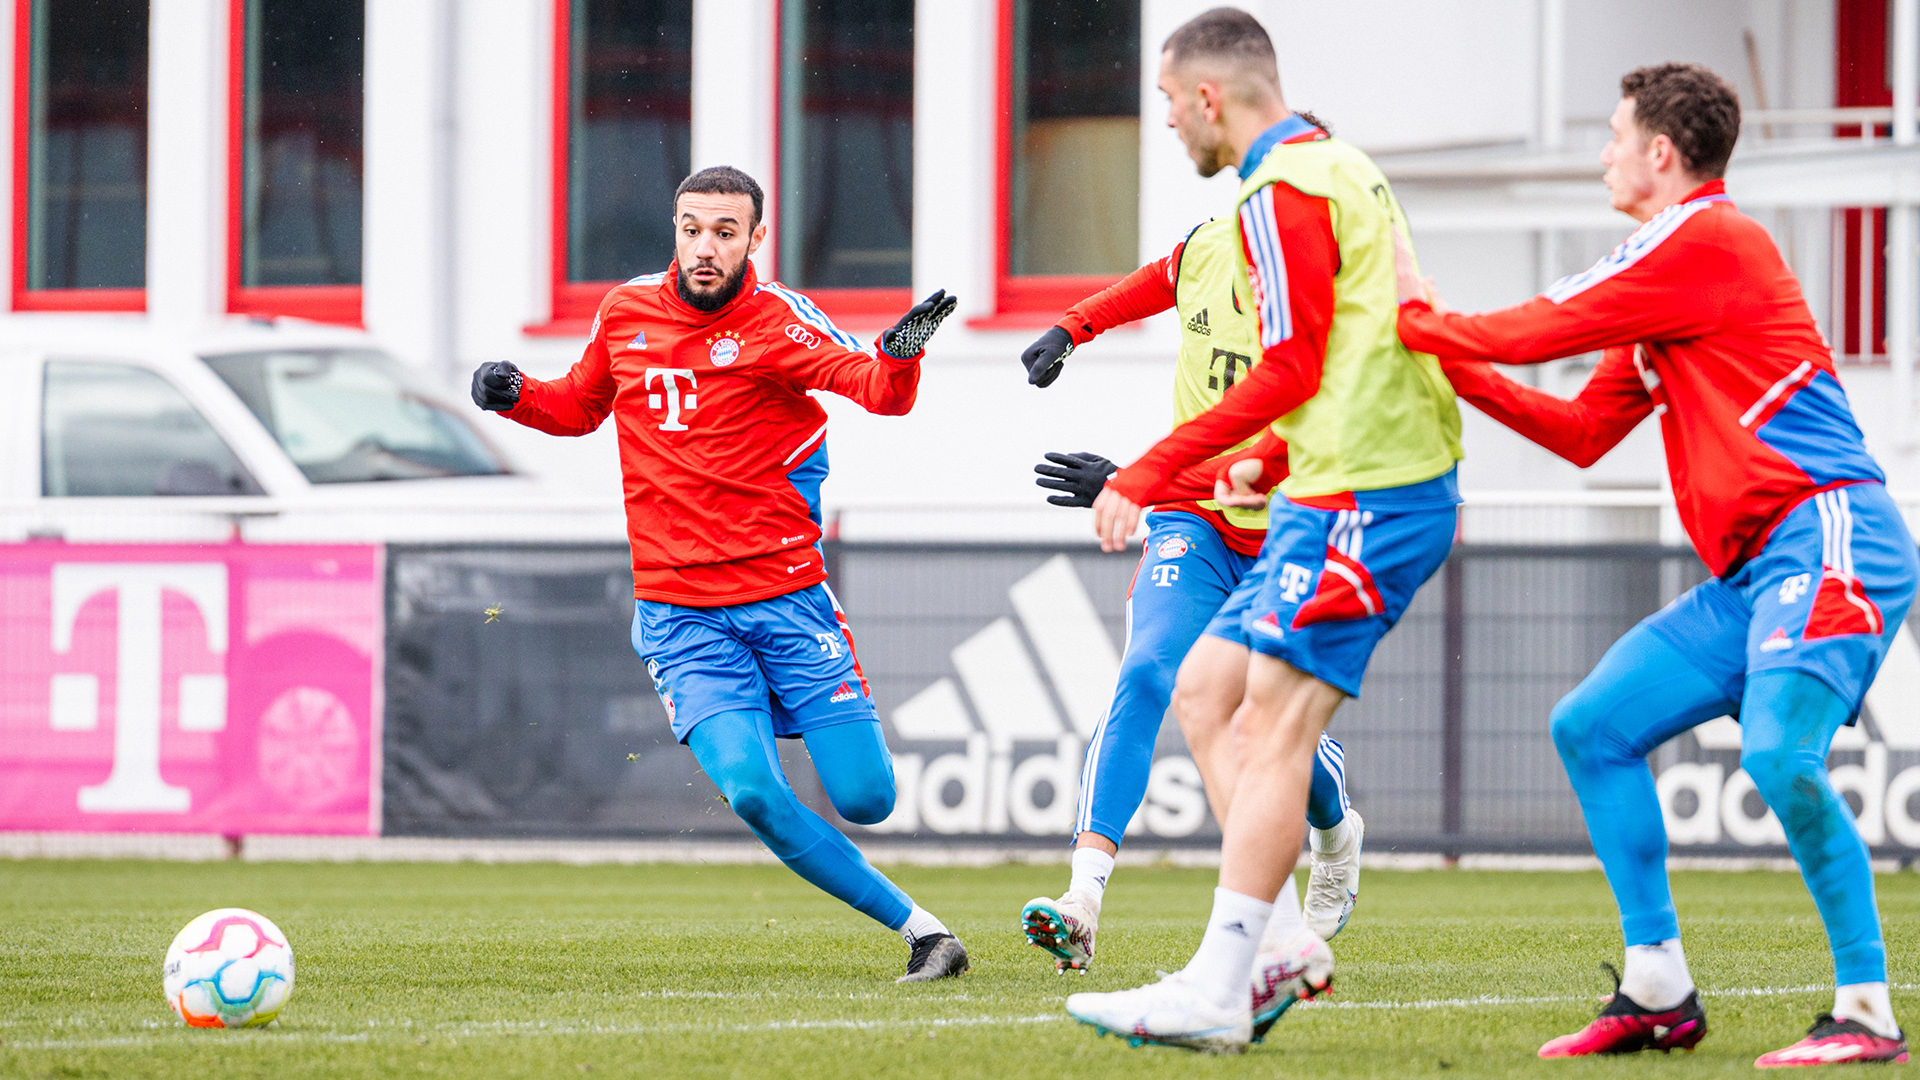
[(1220, 967), (1327, 841), (1869, 1004), (1656, 977), (921, 922), (1286, 922), (1091, 869)]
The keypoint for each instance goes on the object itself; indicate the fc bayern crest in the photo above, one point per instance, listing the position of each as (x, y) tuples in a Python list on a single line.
[(725, 351), (1173, 547)]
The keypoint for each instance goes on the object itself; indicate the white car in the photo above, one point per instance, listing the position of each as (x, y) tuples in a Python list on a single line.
[(270, 432)]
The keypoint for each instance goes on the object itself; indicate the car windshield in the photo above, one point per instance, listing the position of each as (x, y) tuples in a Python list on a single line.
[(353, 415)]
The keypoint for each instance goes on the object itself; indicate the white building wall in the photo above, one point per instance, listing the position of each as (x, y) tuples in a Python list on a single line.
[(458, 198)]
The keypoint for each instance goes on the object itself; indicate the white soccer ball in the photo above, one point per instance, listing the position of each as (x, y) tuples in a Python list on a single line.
[(229, 968)]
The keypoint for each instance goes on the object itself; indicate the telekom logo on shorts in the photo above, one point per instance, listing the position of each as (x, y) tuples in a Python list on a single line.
[(135, 783)]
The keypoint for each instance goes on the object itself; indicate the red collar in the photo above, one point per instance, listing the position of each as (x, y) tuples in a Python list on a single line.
[(1711, 187)]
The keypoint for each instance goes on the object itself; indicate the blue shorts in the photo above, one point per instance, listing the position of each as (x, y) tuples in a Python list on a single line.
[(790, 657), (1331, 583), (1825, 596)]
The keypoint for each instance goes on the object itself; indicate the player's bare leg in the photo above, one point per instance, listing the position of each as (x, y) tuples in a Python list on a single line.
[(1211, 684)]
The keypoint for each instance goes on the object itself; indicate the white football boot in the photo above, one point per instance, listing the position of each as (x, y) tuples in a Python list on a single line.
[(1283, 974), (1063, 927), (1168, 1012), (1333, 882)]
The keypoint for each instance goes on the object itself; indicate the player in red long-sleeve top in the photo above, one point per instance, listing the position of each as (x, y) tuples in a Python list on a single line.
[(1705, 327), (1196, 552), (705, 370)]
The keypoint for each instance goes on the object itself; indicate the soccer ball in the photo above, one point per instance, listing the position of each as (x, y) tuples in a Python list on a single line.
[(229, 968)]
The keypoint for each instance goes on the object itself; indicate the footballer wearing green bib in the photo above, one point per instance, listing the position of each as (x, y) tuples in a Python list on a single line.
[(1365, 516)]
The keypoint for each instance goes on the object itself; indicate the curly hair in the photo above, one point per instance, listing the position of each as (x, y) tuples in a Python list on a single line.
[(1690, 105)]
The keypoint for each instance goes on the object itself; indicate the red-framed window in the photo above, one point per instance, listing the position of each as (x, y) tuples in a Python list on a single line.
[(80, 155), (1067, 152), (622, 131), (1863, 76), (844, 153), (296, 120)]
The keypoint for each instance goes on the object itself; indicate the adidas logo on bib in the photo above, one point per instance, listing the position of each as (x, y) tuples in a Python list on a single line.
[(1198, 324)]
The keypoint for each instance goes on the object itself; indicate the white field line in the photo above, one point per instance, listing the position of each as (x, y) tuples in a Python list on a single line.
[(547, 1028), (538, 1028)]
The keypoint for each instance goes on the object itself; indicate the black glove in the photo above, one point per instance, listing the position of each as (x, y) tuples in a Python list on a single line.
[(496, 386), (906, 338), (1045, 357), (1081, 476)]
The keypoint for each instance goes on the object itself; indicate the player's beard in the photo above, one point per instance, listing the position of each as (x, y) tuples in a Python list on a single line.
[(710, 300)]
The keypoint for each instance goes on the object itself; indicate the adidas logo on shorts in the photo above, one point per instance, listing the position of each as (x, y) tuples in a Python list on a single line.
[(844, 693)]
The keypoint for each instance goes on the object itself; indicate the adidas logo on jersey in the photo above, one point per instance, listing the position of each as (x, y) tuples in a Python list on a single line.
[(1198, 324), (844, 693)]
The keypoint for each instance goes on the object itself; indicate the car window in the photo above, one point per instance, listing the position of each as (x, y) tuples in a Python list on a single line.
[(116, 429), (354, 415)]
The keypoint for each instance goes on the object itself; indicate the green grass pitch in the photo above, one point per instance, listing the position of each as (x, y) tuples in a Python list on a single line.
[(707, 971)]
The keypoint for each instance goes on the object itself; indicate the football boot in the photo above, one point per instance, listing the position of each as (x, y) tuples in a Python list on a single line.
[(936, 956), (1333, 882), (1297, 971), (1625, 1026), (1836, 1042), (1063, 927), (1168, 1013)]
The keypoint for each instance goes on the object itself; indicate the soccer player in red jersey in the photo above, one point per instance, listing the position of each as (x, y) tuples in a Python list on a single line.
[(705, 370), (1705, 327)]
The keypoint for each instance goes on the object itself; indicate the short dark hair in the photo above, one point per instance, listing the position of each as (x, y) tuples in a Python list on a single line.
[(723, 180), (1224, 33), (1690, 105)]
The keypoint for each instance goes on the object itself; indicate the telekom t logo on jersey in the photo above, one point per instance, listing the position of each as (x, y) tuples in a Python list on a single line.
[(134, 784), (670, 390)]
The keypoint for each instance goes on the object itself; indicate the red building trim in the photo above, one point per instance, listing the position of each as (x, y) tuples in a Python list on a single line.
[(25, 299), (855, 307), (1861, 79), (340, 304), (1026, 300)]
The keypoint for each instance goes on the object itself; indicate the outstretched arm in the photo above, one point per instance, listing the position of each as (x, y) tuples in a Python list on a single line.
[(1147, 291), (1291, 256), (884, 381), (1677, 287), (577, 402), (1612, 403)]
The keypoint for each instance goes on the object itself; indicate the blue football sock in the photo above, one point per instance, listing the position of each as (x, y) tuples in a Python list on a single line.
[(736, 751), (1327, 794), (1642, 693), (1787, 722)]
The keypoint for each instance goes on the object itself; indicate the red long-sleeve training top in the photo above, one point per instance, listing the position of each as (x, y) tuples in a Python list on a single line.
[(1287, 238), (721, 449), (1147, 291), (1704, 325)]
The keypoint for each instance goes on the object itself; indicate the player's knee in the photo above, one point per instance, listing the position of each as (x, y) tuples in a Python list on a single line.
[(1793, 784), (767, 808), (1575, 723), (867, 803)]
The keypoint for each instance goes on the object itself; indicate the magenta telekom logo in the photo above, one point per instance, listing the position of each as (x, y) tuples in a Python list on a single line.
[(206, 688)]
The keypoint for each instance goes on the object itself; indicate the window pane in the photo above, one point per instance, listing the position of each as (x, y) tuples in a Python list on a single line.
[(352, 415), (1076, 137), (304, 109), (87, 148), (846, 143), (628, 142), (116, 429)]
